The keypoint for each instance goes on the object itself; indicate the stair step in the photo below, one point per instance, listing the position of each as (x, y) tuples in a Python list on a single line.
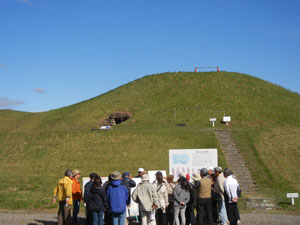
[(235, 161)]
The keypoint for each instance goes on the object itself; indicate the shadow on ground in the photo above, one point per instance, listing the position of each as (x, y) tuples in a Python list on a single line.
[(81, 221)]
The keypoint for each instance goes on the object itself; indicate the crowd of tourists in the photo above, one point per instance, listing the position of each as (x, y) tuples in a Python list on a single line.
[(209, 197)]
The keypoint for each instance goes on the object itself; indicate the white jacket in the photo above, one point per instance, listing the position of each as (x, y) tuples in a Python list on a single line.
[(230, 187)]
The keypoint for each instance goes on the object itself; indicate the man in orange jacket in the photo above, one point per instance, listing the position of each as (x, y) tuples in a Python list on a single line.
[(77, 195), (63, 190)]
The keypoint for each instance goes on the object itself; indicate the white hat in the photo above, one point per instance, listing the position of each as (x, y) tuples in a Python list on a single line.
[(182, 174), (141, 170)]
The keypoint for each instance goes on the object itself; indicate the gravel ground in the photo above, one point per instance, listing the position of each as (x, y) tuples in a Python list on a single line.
[(12, 218)]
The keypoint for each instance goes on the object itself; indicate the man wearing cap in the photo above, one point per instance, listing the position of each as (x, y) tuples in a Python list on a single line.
[(76, 194), (146, 196), (141, 171), (160, 187), (204, 203), (63, 190), (87, 198), (219, 189), (130, 183), (118, 198)]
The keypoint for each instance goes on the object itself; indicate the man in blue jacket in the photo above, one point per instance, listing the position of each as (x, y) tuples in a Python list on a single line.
[(118, 198)]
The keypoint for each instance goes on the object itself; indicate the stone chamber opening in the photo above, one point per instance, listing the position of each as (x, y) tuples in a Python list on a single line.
[(116, 118)]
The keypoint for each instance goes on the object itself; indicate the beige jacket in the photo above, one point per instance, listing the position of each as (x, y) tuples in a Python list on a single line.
[(219, 185), (170, 188), (145, 195), (162, 195)]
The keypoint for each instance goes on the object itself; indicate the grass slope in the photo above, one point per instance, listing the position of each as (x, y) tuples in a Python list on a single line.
[(35, 148)]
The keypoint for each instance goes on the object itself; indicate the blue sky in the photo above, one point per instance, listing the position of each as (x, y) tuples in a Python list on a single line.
[(55, 53)]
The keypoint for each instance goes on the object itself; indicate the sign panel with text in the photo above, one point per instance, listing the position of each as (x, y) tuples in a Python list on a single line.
[(191, 161)]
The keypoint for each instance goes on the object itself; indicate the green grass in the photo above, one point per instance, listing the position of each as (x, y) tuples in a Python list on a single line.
[(38, 160), (273, 158), (36, 148)]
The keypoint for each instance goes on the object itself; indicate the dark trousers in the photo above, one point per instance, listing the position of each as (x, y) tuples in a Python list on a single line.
[(204, 211), (215, 213), (76, 208), (108, 218), (232, 212), (160, 217), (190, 216), (89, 216), (170, 214), (64, 213)]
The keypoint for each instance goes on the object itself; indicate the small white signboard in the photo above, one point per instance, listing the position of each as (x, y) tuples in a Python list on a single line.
[(226, 119), (191, 161), (105, 127), (292, 196), (134, 207), (213, 120)]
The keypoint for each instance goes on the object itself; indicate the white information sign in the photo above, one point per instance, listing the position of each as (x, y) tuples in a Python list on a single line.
[(134, 207), (191, 161), (226, 119), (292, 196)]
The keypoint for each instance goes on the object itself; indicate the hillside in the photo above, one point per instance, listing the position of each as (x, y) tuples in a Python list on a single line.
[(37, 147)]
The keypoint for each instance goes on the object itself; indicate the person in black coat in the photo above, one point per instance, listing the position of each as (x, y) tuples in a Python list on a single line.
[(98, 201), (87, 198)]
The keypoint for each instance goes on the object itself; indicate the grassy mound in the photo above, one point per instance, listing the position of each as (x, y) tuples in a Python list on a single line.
[(36, 148)]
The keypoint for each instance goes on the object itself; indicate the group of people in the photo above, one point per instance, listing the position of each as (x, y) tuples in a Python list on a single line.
[(206, 198)]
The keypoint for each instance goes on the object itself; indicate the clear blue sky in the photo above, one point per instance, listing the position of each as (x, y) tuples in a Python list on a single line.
[(55, 53)]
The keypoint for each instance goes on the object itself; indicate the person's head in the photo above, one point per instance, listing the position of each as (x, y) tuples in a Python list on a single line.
[(184, 183), (145, 178), (93, 176), (97, 182), (203, 172), (170, 178), (68, 173), (218, 171), (210, 171), (116, 175), (76, 174), (227, 172), (126, 174), (159, 176), (196, 177), (141, 171)]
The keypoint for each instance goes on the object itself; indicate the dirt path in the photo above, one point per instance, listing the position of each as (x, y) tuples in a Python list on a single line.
[(22, 218)]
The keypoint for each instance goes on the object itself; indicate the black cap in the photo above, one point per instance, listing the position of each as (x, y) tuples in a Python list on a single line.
[(93, 175), (158, 173)]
